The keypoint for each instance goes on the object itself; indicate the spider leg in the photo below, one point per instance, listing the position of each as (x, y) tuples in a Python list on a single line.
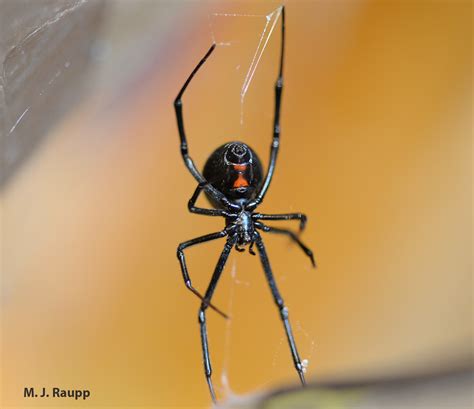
[(202, 311), (207, 212), (292, 235), (178, 105), (184, 269), (288, 216), (281, 307), (276, 121)]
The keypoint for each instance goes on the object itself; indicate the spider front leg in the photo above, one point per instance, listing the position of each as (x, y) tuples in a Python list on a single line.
[(275, 146), (178, 106), (281, 307), (184, 269), (202, 311)]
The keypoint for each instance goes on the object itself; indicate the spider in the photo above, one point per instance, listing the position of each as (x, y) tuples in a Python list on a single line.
[(233, 181)]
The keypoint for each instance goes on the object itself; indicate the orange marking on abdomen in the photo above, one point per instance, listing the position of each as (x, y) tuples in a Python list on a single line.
[(241, 181), (240, 167)]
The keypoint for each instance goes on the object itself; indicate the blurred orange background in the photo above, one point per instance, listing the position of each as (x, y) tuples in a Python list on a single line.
[(376, 150)]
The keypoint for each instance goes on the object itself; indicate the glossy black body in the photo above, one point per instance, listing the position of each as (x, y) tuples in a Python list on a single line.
[(234, 182), (235, 170)]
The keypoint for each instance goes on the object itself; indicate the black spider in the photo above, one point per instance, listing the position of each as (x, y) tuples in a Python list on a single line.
[(233, 182)]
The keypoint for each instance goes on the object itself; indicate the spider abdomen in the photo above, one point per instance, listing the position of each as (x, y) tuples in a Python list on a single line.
[(235, 170)]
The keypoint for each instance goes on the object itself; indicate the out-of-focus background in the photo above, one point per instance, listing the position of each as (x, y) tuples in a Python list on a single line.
[(376, 150)]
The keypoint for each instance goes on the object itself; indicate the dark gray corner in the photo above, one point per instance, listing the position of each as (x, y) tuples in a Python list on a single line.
[(45, 47)]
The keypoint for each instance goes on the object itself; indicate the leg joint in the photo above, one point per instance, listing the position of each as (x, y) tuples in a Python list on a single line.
[(303, 220), (283, 311), (204, 306)]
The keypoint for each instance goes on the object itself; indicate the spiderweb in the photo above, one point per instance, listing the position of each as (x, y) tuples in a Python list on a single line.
[(246, 45), (219, 32)]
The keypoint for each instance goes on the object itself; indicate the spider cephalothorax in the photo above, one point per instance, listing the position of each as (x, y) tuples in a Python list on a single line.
[(233, 181)]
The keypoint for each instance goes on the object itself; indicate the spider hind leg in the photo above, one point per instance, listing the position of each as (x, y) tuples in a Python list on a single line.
[(202, 312), (282, 309)]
